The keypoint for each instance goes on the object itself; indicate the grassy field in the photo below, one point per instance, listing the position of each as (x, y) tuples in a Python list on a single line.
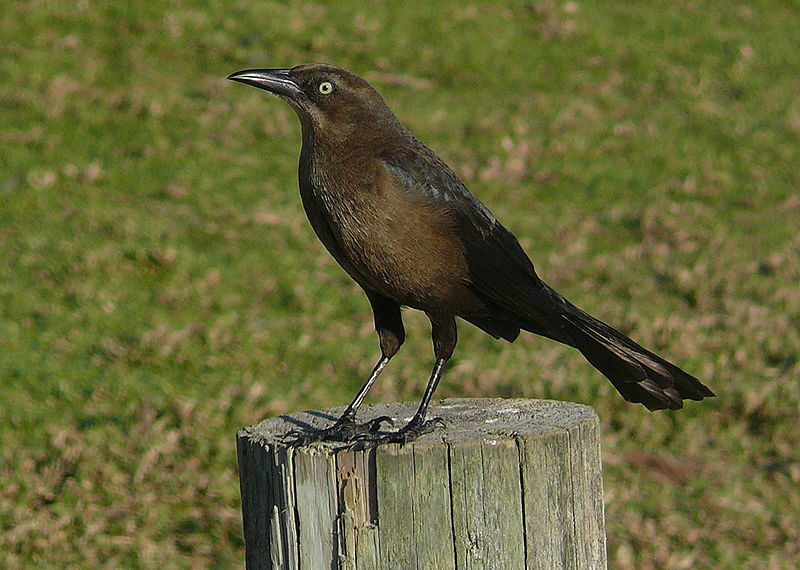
[(160, 286)]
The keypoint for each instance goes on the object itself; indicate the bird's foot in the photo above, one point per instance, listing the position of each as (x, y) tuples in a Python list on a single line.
[(344, 430), (411, 431)]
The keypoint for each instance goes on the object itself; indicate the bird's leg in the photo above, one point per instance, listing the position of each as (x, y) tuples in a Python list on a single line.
[(389, 325), (418, 424), (345, 428), (444, 342), (346, 423)]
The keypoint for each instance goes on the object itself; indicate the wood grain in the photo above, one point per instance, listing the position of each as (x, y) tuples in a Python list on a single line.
[(506, 484)]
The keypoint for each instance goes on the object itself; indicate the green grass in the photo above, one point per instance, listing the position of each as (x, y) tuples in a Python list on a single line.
[(160, 286)]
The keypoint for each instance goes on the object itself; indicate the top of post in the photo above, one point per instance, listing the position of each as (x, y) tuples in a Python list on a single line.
[(464, 419)]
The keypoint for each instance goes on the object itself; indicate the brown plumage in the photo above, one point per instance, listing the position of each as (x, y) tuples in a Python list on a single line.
[(406, 229)]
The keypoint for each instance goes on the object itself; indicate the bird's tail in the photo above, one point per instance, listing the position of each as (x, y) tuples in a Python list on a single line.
[(638, 374)]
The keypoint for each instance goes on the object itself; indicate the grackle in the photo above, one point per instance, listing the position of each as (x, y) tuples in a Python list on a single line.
[(407, 230)]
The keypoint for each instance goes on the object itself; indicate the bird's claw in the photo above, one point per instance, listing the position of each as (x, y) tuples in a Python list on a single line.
[(344, 430), (375, 425), (411, 431)]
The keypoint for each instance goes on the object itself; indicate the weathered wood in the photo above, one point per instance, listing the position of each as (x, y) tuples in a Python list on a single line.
[(506, 484)]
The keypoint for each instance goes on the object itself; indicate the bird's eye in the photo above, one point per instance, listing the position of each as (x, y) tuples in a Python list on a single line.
[(326, 87)]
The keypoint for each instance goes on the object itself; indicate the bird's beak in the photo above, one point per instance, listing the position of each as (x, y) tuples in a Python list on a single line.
[(273, 80)]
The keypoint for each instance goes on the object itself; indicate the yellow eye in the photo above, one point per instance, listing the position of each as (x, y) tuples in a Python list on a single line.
[(326, 87)]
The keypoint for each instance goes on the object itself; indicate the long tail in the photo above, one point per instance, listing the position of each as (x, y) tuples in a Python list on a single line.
[(638, 374)]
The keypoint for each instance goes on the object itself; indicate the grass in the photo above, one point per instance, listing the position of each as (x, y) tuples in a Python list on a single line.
[(160, 286)]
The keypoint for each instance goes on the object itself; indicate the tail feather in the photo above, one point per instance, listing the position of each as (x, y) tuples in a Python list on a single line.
[(638, 374)]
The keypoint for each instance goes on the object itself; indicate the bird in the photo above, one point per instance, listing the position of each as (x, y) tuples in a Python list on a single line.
[(407, 230)]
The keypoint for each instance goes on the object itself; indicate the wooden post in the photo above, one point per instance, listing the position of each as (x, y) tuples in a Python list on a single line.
[(505, 484)]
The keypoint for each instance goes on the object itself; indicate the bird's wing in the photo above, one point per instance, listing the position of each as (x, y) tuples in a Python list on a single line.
[(500, 271), (422, 172), (503, 277)]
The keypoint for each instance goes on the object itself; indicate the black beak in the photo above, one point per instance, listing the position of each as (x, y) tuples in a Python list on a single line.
[(273, 80)]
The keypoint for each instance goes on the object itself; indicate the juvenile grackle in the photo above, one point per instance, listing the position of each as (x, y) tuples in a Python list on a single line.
[(407, 230)]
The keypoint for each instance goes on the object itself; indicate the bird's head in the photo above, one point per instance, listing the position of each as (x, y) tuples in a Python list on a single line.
[(330, 101)]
